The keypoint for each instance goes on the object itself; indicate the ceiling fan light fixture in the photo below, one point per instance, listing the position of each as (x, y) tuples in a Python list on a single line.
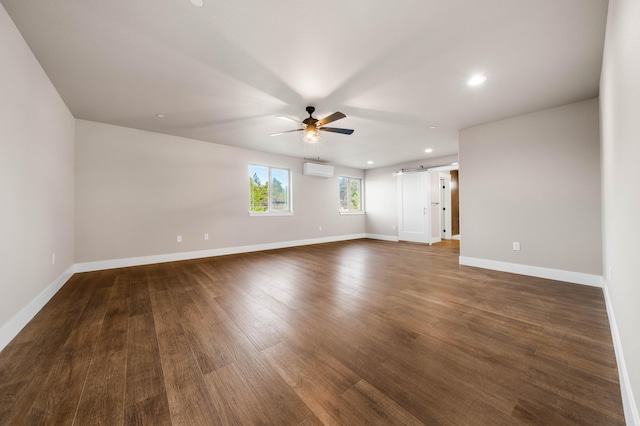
[(311, 135)]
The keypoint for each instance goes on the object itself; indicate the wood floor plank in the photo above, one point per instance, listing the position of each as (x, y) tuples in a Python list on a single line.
[(102, 400), (206, 303), (262, 334), (16, 399), (312, 420), (231, 397), (151, 411), (144, 378), (140, 301), (315, 385), (115, 326), (58, 400), (575, 352), (375, 408), (210, 343), (345, 333), (539, 406), (432, 401), (580, 386), (186, 390), (262, 400), (271, 397), (11, 357)]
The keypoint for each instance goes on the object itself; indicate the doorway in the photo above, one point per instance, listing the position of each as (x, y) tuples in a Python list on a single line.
[(428, 203)]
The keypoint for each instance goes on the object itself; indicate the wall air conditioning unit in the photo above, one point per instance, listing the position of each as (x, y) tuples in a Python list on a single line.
[(315, 169)]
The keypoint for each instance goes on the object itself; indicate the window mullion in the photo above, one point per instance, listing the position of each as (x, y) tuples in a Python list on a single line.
[(349, 194), (269, 189)]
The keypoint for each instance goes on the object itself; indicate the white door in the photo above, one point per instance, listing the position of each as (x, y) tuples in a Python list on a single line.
[(413, 207)]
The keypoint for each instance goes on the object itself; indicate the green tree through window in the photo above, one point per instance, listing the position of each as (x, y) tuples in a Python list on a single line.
[(350, 194), (259, 194)]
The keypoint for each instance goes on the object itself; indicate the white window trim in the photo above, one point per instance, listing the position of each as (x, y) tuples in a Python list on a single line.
[(287, 213), (277, 213)]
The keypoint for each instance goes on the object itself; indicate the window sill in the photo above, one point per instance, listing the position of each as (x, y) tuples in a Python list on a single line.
[(350, 213), (270, 213)]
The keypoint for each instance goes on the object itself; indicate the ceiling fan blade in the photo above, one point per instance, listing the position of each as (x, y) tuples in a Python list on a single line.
[(336, 130), (329, 118), (284, 117), (286, 131)]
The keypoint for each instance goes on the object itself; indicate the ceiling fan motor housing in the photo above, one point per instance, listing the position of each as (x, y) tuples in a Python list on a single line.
[(310, 121)]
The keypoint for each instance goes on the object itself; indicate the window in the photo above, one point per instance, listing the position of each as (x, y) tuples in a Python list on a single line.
[(350, 195), (270, 190)]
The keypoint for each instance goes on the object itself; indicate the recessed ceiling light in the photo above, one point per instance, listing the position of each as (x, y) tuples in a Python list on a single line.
[(197, 3), (477, 80), (369, 162), (432, 127), (428, 150), (160, 115)]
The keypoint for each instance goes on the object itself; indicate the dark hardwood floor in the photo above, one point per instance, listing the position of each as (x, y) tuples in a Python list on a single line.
[(358, 332)]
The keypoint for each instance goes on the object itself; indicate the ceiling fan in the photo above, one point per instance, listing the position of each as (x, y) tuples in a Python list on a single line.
[(312, 126)]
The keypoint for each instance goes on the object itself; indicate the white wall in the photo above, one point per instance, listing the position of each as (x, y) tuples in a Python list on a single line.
[(620, 118), (36, 183), (137, 190), (381, 194), (534, 179)]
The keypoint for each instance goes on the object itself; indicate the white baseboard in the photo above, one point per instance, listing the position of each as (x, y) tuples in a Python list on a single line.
[(534, 271), (11, 329), (172, 257), (456, 237), (393, 238), (435, 240), (628, 402)]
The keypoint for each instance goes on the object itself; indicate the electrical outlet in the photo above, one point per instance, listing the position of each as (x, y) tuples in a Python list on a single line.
[(609, 273), (516, 246), (206, 237), (319, 228), (179, 238), (53, 258), (393, 227)]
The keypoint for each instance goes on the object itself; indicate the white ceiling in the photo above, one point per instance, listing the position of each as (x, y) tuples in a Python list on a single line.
[(222, 72)]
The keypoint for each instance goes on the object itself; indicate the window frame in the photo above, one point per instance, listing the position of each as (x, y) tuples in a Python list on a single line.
[(271, 212), (350, 211)]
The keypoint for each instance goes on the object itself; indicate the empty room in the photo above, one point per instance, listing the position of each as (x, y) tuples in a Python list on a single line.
[(223, 212)]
